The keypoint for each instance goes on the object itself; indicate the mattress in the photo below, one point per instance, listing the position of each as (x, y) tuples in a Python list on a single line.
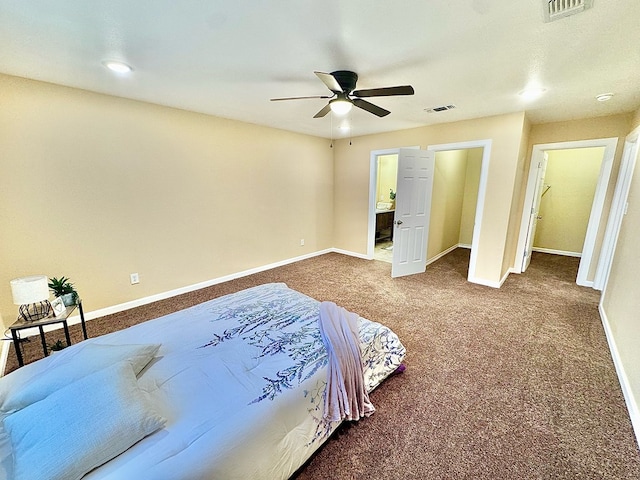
[(239, 381)]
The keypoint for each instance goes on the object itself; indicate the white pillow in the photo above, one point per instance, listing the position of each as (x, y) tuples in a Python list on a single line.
[(81, 426), (73, 366)]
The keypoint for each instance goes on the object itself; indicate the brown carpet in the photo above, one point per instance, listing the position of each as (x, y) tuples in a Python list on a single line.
[(509, 383)]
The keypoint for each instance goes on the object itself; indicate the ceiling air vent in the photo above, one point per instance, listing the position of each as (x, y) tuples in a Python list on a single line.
[(444, 108), (557, 9)]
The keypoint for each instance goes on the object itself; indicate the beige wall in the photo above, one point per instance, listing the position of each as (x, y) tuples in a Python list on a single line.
[(351, 166), (447, 200), (571, 175), (470, 201), (635, 118), (96, 187), (387, 176), (621, 297), (517, 200), (588, 129), (455, 195)]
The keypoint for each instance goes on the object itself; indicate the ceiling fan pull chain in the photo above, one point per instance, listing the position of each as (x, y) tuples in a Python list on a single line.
[(331, 130), (350, 128)]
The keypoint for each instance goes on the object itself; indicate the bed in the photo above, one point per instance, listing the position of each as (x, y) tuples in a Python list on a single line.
[(228, 389)]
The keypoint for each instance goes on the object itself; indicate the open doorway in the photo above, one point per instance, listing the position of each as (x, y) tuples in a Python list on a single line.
[(569, 187), (386, 188), (455, 198), (380, 202), (473, 203), (618, 209), (404, 218), (462, 228), (566, 202)]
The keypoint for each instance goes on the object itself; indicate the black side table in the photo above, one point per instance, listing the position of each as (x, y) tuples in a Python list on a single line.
[(22, 325)]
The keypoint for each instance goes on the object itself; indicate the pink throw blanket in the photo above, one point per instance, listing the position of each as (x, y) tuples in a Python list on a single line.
[(346, 397)]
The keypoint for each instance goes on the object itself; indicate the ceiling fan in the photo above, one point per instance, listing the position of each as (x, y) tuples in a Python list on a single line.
[(342, 84)]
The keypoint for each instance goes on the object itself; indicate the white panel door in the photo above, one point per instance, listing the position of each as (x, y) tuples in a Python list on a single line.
[(413, 208), (534, 216)]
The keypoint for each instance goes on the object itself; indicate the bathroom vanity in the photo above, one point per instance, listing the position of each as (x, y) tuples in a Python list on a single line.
[(384, 224)]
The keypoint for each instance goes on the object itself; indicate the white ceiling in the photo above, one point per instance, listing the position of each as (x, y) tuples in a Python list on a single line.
[(228, 58)]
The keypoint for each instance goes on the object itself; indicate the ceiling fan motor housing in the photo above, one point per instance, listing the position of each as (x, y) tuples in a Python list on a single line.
[(346, 79), (342, 84)]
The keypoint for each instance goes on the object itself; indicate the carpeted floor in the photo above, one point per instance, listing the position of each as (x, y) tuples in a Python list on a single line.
[(509, 383)]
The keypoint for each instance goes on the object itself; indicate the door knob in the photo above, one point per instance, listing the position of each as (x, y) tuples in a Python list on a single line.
[(398, 222)]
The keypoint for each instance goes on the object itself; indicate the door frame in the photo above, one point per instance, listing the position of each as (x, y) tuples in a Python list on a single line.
[(373, 185), (618, 210), (482, 190), (597, 205)]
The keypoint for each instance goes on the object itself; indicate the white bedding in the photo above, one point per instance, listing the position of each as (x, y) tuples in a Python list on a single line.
[(240, 382)]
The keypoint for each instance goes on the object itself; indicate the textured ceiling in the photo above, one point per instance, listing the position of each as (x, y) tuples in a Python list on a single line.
[(229, 58)]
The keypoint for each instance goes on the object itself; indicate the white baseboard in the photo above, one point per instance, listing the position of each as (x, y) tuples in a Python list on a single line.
[(489, 283), (557, 252), (630, 400), (350, 253), (197, 286), (582, 283), (485, 282), (441, 254), (479, 281), (75, 319)]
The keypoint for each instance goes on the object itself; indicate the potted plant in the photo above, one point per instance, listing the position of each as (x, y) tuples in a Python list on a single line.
[(392, 197), (57, 346), (62, 287)]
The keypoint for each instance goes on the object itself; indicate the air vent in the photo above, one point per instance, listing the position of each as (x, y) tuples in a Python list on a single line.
[(557, 9), (444, 108)]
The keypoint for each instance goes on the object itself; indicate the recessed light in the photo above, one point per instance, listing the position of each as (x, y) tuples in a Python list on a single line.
[(603, 97), (532, 93), (118, 67)]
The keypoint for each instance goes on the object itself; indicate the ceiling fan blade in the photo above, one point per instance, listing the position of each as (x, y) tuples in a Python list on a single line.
[(323, 112), (385, 91), (370, 107), (299, 98), (330, 81)]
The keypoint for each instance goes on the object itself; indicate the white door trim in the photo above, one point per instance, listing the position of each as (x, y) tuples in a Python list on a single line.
[(482, 190), (373, 179), (609, 145), (618, 209)]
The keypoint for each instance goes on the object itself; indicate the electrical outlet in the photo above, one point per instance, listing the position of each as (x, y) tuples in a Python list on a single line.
[(135, 278), (302, 242)]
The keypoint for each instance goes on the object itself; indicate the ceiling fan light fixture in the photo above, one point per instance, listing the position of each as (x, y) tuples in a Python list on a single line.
[(340, 106)]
